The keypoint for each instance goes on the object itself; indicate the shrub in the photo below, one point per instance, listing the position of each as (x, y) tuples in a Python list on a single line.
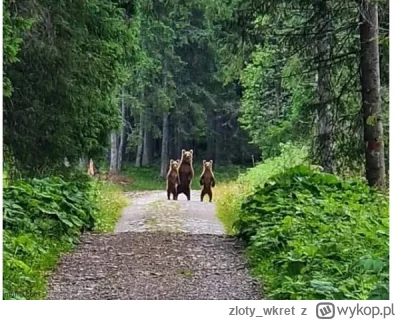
[(312, 235), (49, 206), (42, 218), (229, 196), (291, 155)]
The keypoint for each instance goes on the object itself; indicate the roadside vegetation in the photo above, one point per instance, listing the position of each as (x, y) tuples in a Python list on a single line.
[(43, 219), (309, 235)]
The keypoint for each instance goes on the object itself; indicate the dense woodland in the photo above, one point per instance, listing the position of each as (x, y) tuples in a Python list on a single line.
[(136, 81), (132, 83)]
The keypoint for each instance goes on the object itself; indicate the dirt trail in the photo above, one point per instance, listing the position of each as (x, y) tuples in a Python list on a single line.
[(160, 250)]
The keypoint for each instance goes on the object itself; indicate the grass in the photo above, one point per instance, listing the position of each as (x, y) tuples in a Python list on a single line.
[(111, 201), (228, 201), (144, 179), (25, 277)]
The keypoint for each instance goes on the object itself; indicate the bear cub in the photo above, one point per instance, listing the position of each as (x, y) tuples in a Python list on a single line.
[(207, 180), (173, 180)]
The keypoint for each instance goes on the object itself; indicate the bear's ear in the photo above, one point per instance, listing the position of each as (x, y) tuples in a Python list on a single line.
[(204, 161), (191, 151), (183, 151), (171, 161), (211, 161), (178, 160)]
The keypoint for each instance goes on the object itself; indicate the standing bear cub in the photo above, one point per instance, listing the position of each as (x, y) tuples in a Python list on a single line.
[(186, 173), (173, 179), (207, 180)]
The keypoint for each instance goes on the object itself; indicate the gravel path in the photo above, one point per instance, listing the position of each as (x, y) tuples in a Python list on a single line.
[(160, 249), (152, 212)]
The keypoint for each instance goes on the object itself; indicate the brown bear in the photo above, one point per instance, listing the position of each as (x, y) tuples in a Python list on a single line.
[(186, 173), (173, 180), (207, 180)]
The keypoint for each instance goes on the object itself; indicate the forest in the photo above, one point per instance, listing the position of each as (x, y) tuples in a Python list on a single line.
[(290, 99)]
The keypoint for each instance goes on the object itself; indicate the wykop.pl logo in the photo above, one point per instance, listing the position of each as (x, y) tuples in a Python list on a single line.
[(325, 310)]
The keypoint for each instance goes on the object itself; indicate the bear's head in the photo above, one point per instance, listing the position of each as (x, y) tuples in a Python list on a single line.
[(187, 156), (174, 164), (207, 164)]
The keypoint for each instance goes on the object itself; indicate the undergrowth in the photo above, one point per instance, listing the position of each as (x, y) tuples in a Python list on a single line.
[(312, 235), (110, 200), (229, 195), (309, 235), (43, 218)]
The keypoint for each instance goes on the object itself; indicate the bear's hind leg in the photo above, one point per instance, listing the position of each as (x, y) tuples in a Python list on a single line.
[(202, 195), (187, 193)]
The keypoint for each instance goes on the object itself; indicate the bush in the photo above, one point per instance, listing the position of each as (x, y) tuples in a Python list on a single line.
[(50, 206), (290, 156), (312, 235), (42, 218), (229, 196)]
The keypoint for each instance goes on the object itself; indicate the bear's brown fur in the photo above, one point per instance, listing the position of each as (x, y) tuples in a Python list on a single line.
[(207, 180), (186, 173), (173, 180)]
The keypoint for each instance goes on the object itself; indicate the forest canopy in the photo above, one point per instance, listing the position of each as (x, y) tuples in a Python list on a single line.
[(134, 82)]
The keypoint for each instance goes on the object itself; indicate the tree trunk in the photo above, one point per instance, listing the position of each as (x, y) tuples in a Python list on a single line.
[(371, 95), (164, 146), (147, 139), (211, 119), (114, 153), (165, 124), (171, 138), (122, 134), (279, 112), (218, 144), (146, 149), (324, 147), (139, 152), (178, 139)]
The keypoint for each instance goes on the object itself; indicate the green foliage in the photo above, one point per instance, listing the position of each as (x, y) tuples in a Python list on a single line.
[(274, 102), (290, 155), (178, 73), (110, 201), (44, 218), (71, 66), (27, 260), (230, 195), (50, 206), (41, 219), (272, 51), (312, 235), (13, 29)]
